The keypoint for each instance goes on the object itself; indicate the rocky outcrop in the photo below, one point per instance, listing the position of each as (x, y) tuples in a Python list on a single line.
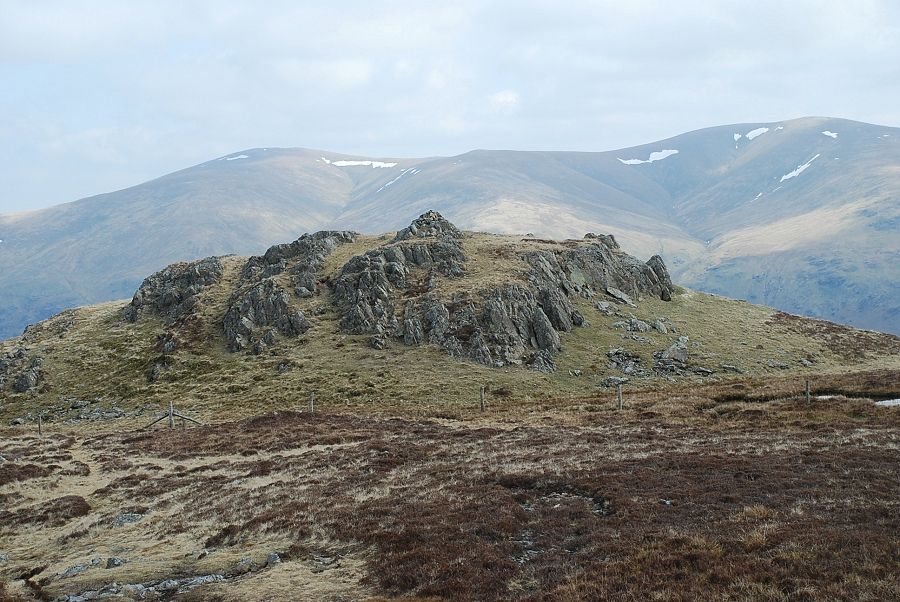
[(515, 323), (599, 267), (173, 292), (29, 378), (304, 258), (262, 308), (255, 315), (366, 288)]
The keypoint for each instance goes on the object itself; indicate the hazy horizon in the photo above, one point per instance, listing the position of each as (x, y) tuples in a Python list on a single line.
[(101, 96)]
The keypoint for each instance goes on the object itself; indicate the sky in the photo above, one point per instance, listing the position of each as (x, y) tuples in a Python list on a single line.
[(101, 95)]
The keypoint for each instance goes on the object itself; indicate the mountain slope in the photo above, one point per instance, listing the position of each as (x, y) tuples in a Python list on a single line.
[(802, 215)]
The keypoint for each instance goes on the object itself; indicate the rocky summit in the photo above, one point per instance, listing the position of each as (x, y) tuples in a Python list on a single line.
[(393, 292), (353, 316)]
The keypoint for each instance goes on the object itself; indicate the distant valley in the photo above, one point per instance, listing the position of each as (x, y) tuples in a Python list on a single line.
[(802, 215)]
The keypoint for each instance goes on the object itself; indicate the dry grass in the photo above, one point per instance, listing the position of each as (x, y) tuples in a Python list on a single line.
[(681, 496)]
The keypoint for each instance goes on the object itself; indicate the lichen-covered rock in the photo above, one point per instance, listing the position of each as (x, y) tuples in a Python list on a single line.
[(262, 307), (173, 291), (430, 224)]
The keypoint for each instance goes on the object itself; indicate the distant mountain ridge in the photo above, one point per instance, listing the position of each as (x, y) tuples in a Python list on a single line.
[(802, 215)]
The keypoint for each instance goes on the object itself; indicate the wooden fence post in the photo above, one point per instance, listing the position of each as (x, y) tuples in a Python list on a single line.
[(312, 401), (619, 395), (171, 415), (807, 390), (482, 398)]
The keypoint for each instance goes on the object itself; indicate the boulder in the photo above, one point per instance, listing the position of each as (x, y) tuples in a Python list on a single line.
[(675, 357), (620, 296)]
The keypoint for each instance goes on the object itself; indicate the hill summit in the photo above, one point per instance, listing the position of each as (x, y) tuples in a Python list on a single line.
[(356, 317)]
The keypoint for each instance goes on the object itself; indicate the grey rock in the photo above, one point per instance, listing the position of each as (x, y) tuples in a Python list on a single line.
[(114, 561), (546, 337), (613, 381), (172, 292), (626, 361), (4, 558), (192, 582), (701, 370), (303, 292), (660, 326), (304, 258), (73, 570), (659, 278), (264, 305), (542, 361), (127, 518), (805, 362), (606, 239), (777, 364), (620, 296), (133, 590), (575, 373), (731, 368), (28, 379), (636, 325), (675, 357), (244, 565), (379, 341), (272, 559), (170, 346)]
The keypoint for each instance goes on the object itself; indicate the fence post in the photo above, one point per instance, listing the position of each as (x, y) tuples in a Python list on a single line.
[(171, 415), (312, 401), (619, 395), (482, 398)]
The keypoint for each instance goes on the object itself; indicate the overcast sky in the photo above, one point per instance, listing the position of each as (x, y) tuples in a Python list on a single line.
[(96, 96)]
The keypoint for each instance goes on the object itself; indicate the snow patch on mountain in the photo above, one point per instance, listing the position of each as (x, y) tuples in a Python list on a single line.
[(409, 171), (654, 156), (830, 134), (373, 164), (757, 132), (235, 158), (799, 170), (738, 137)]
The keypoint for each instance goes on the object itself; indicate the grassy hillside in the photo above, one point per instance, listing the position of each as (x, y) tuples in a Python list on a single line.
[(93, 354)]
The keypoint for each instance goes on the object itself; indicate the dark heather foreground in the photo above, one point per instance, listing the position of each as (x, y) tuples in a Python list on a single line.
[(736, 491)]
